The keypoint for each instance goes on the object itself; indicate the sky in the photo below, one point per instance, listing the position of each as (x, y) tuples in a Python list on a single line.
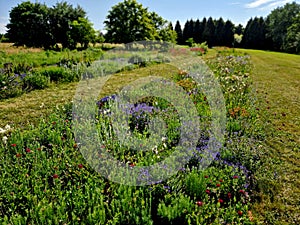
[(238, 11)]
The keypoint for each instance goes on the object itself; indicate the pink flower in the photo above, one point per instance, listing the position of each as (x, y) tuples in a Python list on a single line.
[(199, 203)]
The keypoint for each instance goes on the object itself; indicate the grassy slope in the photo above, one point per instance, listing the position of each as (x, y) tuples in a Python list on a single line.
[(276, 77)]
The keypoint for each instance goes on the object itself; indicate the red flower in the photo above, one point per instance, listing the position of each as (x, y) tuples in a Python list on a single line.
[(240, 213), (53, 123), (132, 164), (221, 180), (220, 200), (199, 203), (55, 176), (80, 166), (75, 146), (218, 185), (242, 191), (13, 145), (207, 191), (206, 176), (28, 150), (39, 149), (18, 155), (235, 177), (229, 195)]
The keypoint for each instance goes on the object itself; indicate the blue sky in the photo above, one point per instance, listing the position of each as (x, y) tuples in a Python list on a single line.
[(238, 11)]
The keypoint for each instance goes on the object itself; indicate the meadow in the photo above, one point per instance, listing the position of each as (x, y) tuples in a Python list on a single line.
[(252, 179)]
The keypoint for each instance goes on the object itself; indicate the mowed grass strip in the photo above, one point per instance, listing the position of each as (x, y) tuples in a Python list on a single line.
[(30, 108), (276, 77)]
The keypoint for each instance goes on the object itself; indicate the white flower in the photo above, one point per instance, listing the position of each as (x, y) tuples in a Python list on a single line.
[(2, 131), (155, 150), (4, 139), (7, 127), (42, 105), (164, 139)]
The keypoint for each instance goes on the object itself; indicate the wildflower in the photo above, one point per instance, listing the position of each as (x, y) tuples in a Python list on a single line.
[(220, 200), (2, 131), (207, 191), (242, 191), (229, 195), (235, 177), (80, 166), (221, 180), (53, 123), (240, 213), (206, 176), (199, 203), (132, 164), (218, 185), (4, 139), (18, 155), (28, 150), (13, 145), (55, 176)]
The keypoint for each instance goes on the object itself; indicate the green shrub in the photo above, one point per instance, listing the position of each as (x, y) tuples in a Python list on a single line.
[(35, 81), (59, 74)]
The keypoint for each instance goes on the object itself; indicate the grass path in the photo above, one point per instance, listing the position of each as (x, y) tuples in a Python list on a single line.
[(31, 107), (276, 78)]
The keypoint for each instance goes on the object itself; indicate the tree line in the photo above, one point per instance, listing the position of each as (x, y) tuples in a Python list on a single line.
[(36, 25)]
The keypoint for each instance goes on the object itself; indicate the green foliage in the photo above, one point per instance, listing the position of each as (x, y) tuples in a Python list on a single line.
[(255, 34), (292, 42), (190, 42), (129, 21), (29, 25), (36, 25), (209, 32), (278, 22), (35, 82), (178, 31)]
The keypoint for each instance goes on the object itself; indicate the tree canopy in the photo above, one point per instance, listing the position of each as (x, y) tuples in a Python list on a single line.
[(129, 21), (36, 25), (278, 23)]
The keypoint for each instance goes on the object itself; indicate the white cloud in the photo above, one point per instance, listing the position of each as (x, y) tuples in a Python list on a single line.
[(2, 28), (275, 4), (266, 4), (234, 3), (258, 3)]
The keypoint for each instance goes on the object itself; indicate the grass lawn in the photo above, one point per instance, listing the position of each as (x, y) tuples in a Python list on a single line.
[(276, 78)]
